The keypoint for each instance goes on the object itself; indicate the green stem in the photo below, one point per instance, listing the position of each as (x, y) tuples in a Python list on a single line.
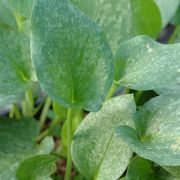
[(69, 138), (28, 104), (48, 131), (15, 112), (138, 96), (19, 21), (45, 111), (11, 113), (174, 35), (114, 86), (126, 91)]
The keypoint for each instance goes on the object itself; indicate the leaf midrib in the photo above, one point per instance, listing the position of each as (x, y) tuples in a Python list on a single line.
[(105, 153)]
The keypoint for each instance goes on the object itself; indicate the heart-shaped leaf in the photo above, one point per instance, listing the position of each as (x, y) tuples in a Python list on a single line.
[(168, 9), (122, 20), (144, 64), (18, 143), (72, 58), (158, 137), (37, 167), (96, 150)]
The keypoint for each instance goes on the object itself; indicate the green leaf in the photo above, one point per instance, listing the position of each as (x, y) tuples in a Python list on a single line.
[(77, 118), (96, 151), (174, 170), (7, 16), (122, 20), (142, 169), (144, 64), (20, 7), (37, 168), (158, 137), (60, 110), (176, 18), (168, 9), (72, 58), (16, 69), (18, 142)]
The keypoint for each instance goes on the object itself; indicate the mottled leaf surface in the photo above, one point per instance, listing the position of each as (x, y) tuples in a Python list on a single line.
[(72, 58), (158, 132), (144, 64), (168, 9), (15, 65), (124, 19), (97, 152), (18, 142), (39, 167)]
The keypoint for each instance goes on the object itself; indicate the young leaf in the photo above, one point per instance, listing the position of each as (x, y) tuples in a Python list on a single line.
[(142, 169), (37, 167), (15, 65), (158, 137), (168, 9), (122, 20), (96, 150), (17, 144), (72, 58), (144, 64), (20, 7)]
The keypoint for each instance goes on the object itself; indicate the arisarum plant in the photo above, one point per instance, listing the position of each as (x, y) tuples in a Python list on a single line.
[(80, 54)]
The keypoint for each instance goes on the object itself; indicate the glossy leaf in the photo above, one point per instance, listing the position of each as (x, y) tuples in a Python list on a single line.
[(122, 20), (144, 64), (157, 124), (37, 168), (18, 142), (96, 151), (21, 7), (72, 58), (16, 69), (168, 9)]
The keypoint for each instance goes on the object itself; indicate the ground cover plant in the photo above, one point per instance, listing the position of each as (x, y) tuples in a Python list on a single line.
[(89, 89)]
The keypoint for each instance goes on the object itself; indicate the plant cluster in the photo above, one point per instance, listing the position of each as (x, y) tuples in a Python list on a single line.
[(69, 72)]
